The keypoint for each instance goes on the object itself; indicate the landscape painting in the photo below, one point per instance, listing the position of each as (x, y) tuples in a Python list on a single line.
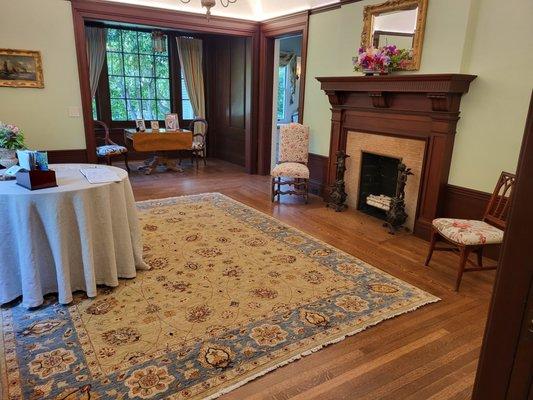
[(21, 68)]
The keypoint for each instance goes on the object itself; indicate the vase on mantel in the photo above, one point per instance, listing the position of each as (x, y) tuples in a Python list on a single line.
[(8, 157)]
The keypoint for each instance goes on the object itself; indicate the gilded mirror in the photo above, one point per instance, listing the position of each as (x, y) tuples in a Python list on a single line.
[(396, 22)]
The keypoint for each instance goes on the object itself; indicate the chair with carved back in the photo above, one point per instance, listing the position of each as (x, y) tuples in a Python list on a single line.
[(291, 169), (468, 236), (106, 148), (199, 145)]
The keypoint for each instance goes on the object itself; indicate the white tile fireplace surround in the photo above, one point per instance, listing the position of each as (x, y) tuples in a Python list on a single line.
[(409, 151)]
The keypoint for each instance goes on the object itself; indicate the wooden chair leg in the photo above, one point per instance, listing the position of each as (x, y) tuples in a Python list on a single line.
[(273, 190), (465, 252), (278, 190), (480, 257), (434, 238), (196, 160), (306, 188), (204, 156), (126, 162)]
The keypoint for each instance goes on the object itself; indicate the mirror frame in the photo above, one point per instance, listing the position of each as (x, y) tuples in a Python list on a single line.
[(398, 5)]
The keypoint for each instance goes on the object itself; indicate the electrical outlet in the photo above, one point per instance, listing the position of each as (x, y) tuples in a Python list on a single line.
[(74, 112)]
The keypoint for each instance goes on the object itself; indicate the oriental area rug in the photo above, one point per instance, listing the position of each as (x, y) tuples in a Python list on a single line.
[(232, 294)]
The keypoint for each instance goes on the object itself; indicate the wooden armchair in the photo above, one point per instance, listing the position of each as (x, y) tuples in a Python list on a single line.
[(467, 236), (106, 148), (199, 148), (292, 167)]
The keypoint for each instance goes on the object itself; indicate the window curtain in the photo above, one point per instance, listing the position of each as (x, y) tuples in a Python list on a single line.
[(190, 55), (290, 59), (96, 49)]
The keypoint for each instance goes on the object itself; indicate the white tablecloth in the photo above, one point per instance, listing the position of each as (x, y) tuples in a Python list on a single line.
[(67, 238)]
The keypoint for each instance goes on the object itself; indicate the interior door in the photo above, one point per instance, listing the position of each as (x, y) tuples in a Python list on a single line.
[(506, 362)]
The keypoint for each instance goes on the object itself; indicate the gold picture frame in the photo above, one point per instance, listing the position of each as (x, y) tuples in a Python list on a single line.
[(21, 68), (397, 5)]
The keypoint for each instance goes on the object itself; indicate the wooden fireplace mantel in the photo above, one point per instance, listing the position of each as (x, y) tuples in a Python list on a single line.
[(423, 107)]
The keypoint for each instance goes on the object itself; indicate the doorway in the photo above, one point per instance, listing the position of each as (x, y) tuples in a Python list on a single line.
[(286, 87)]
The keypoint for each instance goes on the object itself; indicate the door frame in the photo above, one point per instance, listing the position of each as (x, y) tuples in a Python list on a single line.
[(505, 364), (294, 24)]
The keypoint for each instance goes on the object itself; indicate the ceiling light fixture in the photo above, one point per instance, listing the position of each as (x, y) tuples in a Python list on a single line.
[(208, 4)]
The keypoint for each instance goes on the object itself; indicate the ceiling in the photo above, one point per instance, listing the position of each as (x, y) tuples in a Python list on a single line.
[(257, 10)]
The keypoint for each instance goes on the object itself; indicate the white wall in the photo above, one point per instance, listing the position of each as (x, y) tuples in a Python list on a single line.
[(44, 25), (480, 37)]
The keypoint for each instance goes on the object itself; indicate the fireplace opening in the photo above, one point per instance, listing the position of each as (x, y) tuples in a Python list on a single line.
[(377, 183)]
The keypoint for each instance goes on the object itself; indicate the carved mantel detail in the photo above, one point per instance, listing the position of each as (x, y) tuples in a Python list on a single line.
[(422, 107)]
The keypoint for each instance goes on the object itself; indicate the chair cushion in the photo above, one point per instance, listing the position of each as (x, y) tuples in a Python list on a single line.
[(104, 151), (291, 170), (467, 231)]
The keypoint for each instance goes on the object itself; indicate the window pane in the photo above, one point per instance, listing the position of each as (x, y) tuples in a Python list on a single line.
[(147, 65), (149, 110), (161, 67), (282, 79), (131, 64), (116, 87), (129, 41), (145, 43), (184, 92), (163, 107), (113, 40), (114, 64), (162, 89), (187, 109), (147, 88), (93, 105), (134, 109), (118, 110), (133, 89)]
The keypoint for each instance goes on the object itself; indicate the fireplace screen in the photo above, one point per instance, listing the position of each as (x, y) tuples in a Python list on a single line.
[(377, 183)]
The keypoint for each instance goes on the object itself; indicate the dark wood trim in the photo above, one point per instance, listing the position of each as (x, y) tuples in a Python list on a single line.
[(84, 11), (505, 364), (294, 24), (318, 169), (422, 107), (67, 156)]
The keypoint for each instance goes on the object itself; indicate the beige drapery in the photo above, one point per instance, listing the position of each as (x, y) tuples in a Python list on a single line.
[(190, 55), (95, 39)]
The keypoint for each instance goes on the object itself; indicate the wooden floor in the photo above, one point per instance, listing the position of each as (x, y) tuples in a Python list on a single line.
[(430, 353)]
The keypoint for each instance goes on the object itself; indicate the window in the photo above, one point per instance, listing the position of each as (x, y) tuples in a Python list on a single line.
[(186, 106), (139, 83), (282, 85), (95, 111)]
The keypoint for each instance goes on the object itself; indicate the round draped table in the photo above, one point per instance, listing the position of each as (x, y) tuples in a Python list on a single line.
[(71, 237)]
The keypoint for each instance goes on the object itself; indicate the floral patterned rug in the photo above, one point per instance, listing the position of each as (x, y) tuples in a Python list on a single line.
[(232, 294)]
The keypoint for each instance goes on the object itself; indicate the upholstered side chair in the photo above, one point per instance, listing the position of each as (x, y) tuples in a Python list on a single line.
[(291, 169), (468, 236), (108, 149), (199, 148)]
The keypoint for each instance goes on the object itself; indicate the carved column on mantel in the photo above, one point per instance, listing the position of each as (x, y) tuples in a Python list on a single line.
[(423, 107)]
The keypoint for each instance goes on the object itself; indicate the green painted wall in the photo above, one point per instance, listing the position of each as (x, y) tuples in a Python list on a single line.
[(43, 114), (465, 36)]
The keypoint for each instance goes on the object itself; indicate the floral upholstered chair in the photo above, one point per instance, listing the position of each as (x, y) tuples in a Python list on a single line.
[(199, 147), (108, 149), (467, 236), (292, 168)]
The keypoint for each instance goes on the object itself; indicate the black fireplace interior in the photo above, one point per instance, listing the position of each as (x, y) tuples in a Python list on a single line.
[(379, 175)]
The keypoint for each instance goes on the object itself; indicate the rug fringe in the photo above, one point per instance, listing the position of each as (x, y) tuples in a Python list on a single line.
[(313, 350)]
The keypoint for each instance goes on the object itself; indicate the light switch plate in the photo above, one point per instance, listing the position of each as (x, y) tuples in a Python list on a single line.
[(73, 111)]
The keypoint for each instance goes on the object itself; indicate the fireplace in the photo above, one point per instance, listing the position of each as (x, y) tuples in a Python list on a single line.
[(419, 109), (377, 183)]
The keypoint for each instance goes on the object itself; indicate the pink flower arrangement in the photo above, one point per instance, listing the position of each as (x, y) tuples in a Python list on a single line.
[(382, 59)]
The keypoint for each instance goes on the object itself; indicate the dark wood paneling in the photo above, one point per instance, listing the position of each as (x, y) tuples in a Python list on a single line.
[(424, 107), (228, 78), (505, 365), (67, 156), (318, 169)]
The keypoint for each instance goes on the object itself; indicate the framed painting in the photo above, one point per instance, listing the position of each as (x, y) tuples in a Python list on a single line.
[(21, 68)]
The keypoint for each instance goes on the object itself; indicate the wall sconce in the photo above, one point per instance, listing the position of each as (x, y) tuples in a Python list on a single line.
[(159, 42)]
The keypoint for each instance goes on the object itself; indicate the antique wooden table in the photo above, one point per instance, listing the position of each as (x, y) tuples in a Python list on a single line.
[(158, 142)]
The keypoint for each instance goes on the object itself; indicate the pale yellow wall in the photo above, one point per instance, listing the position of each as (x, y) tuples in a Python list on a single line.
[(44, 25), (465, 36)]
